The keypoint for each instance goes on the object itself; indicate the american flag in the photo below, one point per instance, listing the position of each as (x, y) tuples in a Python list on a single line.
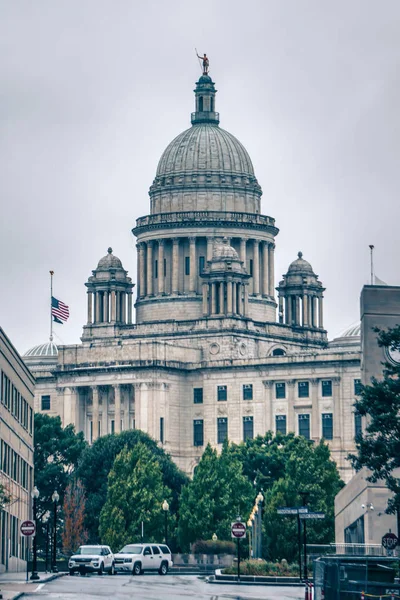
[(59, 310)]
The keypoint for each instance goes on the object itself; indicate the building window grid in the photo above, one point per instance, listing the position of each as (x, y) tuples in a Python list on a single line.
[(222, 393), (280, 390), (327, 426), (247, 391), (303, 389), (198, 395), (280, 424), (162, 430), (304, 425), (11, 398), (357, 387), (326, 388), (222, 429), (45, 401), (357, 425), (248, 428), (198, 432), (187, 265)]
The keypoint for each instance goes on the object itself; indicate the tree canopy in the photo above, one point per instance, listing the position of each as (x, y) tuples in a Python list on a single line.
[(378, 446), (97, 461), (135, 494)]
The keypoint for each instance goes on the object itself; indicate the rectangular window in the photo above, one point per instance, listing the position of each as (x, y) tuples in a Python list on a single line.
[(198, 432), (202, 262), (357, 387), (304, 426), (248, 428), (91, 431), (222, 424), (327, 426), (327, 388), (222, 393), (280, 390), (357, 425), (99, 429), (280, 424), (187, 265), (198, 395), (162, 430), (45, 402), (304, 389), (112, 426), (156, 269), (165, 267), (248, 391), (251, 267)]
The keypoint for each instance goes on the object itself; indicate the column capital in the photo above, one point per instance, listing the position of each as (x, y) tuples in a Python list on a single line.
[(269, 383), (192, 239), (140, 245), (176, 240), (161, 242)]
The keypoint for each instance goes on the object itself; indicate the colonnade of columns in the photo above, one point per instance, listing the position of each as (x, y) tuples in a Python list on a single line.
[(121, 414), (109, 306), (225, 298), (159, 268), (303, 310)]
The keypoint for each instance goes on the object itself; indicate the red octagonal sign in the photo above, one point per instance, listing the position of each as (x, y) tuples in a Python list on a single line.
[(390, 541), (238, 530), (28, 528)]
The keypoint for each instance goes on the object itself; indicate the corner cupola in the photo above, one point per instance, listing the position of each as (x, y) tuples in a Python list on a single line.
[(205, 102)]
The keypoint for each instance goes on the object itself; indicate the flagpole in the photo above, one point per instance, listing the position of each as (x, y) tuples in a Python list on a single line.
[(372, 263), (51, 295)]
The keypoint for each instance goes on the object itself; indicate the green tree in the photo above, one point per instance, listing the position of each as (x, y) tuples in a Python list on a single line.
[(308, 468), (135, 494), (74, 533), (97, 461), (378, 446), (4, 496), (217, 494)]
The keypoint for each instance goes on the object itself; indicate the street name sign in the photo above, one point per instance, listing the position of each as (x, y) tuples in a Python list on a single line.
[(295, 510), (390, 541), (312, 515), (27, 528), (238, 530)]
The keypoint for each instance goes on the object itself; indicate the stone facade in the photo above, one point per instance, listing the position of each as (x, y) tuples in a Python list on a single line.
[(16, 452), (207, 357)]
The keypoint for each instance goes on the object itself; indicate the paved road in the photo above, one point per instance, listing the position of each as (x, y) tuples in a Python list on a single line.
[(155, 587)]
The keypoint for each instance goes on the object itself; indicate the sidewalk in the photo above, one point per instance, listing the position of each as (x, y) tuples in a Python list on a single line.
[(14, 585)]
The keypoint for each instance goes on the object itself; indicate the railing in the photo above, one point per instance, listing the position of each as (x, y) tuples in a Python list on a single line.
[(205, 215), (348, 549), (204, 116)]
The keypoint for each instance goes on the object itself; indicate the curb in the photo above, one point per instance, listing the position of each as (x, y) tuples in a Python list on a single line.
[(22, 594), (219, 579)]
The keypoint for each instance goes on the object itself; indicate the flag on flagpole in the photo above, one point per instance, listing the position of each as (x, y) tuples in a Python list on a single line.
[(59, 310)]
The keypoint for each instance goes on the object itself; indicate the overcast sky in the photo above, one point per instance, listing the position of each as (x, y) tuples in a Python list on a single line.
[(92, 91)]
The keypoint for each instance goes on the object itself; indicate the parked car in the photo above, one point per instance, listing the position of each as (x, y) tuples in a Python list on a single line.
[(136, 558), (92, 559)]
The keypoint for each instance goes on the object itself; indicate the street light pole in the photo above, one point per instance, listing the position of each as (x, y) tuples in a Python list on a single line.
[(55, 498), (165, 507), (35, 495)]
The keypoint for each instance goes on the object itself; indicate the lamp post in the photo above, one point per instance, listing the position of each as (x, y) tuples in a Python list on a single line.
[(165, 507), (259, 501), (249, 525), (55, 498), (46, 522), (34, 574)]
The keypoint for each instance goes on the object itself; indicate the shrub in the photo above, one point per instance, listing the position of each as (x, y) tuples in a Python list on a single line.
[(211, 547), (264, 568)]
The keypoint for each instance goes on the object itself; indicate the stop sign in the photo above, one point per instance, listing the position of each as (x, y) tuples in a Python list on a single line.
[(390, 541), (27, 528), (238, 530)]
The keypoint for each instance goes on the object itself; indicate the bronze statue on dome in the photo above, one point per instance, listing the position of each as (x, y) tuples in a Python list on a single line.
[(206, 63)]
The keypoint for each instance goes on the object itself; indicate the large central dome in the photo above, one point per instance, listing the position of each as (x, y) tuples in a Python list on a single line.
[(205, 168)]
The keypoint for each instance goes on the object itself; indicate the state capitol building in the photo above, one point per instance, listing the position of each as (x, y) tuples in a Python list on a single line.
[(216, 350)]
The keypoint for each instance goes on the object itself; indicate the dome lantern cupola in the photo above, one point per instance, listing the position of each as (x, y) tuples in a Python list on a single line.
[(205, 102), (300, 296)]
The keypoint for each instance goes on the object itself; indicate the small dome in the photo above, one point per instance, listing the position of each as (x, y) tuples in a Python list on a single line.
[(109, 261), (48, 349), (353, 331), (222, 250), (300, 266)]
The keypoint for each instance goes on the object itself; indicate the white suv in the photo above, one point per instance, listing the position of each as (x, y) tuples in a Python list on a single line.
[(136, 558), (92, 559)]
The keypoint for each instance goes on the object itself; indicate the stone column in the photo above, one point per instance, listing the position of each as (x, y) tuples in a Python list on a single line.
[(161, 280), (138, 272), (321, 314), (90, 308), (314, 425), (243, 252), (141, 276), (305, 310), (106, 307), (98, 305), (123, 307), (271, 258), (213, 299), (314, 311), (234, 297), (265, 278), (297, 301), (289, 311), (256, 267), (104, 410), (281, 320), (291, 414), (205, 299), (337, 409), (221, 298), (71, 412), (268, 386), (229, 298), (113, 306), (117, 306), (95, 411), (129, 296), (192, 254), (240, 299), (117, 408), (149, 268), (175, 265), (246, 300), (210, 242)]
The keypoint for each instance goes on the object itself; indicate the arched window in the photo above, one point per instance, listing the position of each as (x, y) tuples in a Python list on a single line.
[(212, 104), (278, 352), (201, 104)]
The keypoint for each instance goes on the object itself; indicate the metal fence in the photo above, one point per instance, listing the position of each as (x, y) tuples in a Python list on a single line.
[(314, 550)]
